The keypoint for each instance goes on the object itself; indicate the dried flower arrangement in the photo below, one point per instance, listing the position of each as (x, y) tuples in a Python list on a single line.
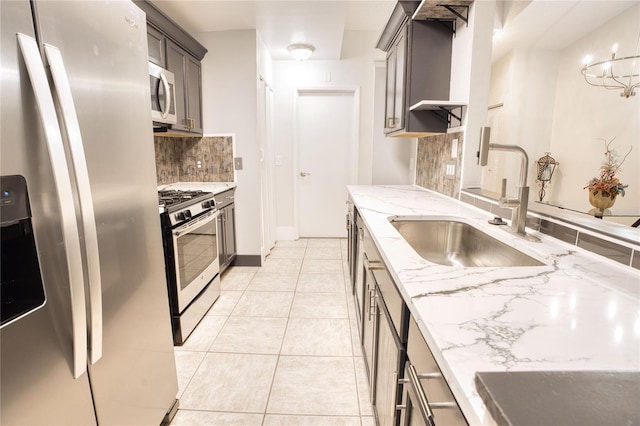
[(606, 184)]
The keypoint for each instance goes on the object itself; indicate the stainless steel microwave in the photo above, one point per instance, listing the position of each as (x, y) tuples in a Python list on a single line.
[(163, 95)]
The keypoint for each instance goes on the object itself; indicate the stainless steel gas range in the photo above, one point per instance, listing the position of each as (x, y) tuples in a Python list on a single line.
[(190, 239)]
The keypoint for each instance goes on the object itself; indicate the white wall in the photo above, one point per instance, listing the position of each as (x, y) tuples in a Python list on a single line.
[(357, 70), (524, 81), (470, 76), (584, 113), (393, 158), (549, 107), (229, 76)]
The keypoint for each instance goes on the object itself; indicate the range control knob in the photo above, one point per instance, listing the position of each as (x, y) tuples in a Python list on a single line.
[(187, 214), (207, 204), (180, 216)]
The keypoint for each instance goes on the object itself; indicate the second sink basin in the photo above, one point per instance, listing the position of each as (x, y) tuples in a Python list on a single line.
[(456, 243)]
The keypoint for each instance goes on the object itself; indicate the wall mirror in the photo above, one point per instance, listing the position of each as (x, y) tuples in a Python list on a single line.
[(540, 100)]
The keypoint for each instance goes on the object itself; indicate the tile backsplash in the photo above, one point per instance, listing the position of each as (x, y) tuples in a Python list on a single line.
[(434, 153), (177, 159)]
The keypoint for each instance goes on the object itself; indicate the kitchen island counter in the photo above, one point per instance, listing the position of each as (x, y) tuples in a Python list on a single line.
[(578, 311)]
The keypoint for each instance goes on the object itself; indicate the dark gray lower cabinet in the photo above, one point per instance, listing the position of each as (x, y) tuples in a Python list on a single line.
[(407, 386), (388, 365), (427, 399), (227, 251), (383, 334), (358, 278)]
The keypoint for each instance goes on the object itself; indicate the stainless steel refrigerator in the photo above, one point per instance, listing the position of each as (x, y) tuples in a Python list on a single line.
[(76, 130)]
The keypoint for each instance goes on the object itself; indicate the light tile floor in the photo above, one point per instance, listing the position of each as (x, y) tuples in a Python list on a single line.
[(279, 347)]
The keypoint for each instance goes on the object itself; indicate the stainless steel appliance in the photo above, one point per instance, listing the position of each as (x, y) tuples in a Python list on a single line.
[(75, 125), (190, 234), (162, 86)]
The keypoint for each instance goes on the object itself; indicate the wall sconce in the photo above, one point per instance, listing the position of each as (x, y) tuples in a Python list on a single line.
[(546, 167), (614, 73), (301, 52)]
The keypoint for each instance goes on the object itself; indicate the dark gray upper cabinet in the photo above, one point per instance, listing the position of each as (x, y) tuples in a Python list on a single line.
[(157, 19), (418, 69), (174, 49), (188, 84), (157, 47)]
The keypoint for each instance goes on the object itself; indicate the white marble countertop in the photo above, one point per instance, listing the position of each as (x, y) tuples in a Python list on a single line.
[(579, 312)]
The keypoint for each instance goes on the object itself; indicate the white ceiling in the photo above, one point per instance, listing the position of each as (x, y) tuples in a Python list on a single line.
[(321, 23), (549, 24), (555, 24)]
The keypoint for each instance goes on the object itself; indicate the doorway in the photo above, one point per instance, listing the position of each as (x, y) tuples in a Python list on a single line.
[(326, 139)]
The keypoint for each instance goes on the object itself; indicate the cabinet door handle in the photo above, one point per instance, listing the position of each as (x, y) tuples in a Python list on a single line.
[(429, 376), (423, 402), (372, 303), (372, 265)]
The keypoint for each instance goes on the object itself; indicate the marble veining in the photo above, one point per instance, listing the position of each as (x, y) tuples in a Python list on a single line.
[(579, 311)]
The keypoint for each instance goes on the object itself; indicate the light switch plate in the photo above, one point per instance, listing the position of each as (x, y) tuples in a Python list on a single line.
[(454, 148), (237, 163)]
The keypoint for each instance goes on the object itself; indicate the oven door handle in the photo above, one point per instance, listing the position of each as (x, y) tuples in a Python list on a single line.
[(200, 221)]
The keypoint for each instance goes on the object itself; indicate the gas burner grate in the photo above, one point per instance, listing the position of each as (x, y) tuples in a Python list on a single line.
[(174, 197)]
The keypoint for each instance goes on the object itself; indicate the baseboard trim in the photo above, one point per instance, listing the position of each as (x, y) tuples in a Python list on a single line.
[(248, 260), (286, 233)]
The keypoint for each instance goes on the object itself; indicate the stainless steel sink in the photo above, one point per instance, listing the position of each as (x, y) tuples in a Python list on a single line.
[(455, 243)]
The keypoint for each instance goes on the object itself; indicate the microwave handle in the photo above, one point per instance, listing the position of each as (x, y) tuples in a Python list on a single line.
[(51, 127), (167, 96)]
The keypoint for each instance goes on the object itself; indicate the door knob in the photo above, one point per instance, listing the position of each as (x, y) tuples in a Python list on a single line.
[(303, 174)]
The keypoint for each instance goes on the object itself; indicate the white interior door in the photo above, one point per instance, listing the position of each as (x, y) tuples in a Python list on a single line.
[(326, 132)]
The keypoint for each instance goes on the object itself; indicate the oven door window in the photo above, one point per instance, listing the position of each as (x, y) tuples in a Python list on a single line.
[(196, 256)]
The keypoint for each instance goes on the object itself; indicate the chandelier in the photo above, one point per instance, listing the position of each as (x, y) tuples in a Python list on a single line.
[(614, 73)]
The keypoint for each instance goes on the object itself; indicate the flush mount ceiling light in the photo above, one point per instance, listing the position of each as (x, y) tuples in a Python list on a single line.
[(301, 52)]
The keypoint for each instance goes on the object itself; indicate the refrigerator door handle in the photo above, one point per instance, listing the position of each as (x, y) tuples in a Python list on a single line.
[(70, 118), (51, 127)]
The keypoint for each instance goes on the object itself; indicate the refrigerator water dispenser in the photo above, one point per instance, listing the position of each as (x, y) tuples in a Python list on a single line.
[(21, 288)]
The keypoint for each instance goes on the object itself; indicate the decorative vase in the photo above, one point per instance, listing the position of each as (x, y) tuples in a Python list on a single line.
[(601, 201)]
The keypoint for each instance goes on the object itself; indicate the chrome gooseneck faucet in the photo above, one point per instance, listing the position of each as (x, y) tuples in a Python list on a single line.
[(518, 205)]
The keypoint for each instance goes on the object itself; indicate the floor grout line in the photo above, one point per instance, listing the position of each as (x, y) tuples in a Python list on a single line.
[(345, 291)]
